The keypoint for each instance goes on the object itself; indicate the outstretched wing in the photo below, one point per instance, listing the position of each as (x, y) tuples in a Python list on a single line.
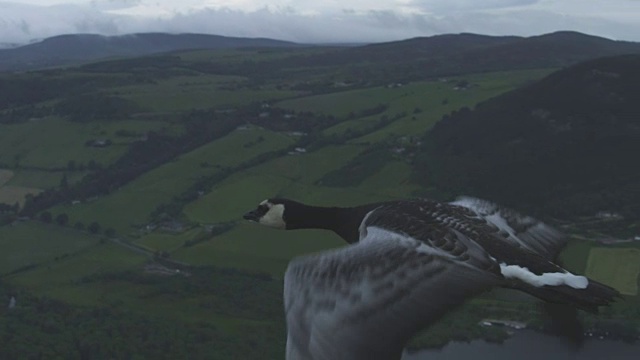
[(366, 300), (519, 230)]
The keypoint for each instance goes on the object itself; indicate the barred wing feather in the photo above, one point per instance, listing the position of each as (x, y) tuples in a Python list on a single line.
[(366, 300), (519, 230)]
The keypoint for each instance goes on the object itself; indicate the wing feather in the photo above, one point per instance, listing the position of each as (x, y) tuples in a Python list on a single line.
[(366, 300), (518, 230)]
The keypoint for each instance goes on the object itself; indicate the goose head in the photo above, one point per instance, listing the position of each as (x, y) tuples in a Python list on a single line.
[(275, 213)]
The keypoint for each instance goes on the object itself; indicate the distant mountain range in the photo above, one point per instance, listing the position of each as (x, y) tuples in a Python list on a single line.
[(568, 45), (74, 49), (440, 54), (445, 55), (568, 144)]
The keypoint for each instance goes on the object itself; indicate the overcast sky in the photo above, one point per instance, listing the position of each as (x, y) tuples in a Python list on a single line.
[(318, 20)]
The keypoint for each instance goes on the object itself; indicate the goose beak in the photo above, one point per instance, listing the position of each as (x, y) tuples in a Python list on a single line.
[(252, 216)]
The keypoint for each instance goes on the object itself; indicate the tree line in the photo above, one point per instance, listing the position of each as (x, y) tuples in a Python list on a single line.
[(38, 327), (201, 127)]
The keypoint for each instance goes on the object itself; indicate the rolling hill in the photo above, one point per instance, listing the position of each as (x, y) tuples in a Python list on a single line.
[(454, 54), (437, 55), (78, 48), (566, 145)]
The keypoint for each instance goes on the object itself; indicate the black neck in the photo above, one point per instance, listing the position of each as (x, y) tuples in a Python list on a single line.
[(343, 221)]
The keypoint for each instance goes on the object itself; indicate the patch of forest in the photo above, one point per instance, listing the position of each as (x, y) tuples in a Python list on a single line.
[(36, 327), (567, 145)]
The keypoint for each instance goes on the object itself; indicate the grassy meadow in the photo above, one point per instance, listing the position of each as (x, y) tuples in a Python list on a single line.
[(30, 244), (5, 176), (10, 194), (618, 267), (420, 104), (16, 194), (252, 248), (129, 208), (196, 92), (44, 179), (298, 176), (50, 143)]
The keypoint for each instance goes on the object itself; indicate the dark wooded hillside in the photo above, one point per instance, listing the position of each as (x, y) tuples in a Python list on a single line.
[(566, 145)]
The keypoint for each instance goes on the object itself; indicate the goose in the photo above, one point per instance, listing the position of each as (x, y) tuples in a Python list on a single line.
[(407, 263)]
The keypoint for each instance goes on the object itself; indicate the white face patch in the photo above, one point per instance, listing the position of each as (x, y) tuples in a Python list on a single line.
[(274, 217)]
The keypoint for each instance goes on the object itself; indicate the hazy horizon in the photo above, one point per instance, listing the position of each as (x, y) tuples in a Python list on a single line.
[(303, 21)]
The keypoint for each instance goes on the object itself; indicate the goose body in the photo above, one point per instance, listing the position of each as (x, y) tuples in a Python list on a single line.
[(407, 264)]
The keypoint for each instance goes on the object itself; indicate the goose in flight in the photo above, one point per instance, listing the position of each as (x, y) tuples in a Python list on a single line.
[(407, 264)]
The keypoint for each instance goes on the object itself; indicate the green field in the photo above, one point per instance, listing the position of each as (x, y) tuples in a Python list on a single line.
[(575, 254), (415, 106), (418, 105), (62, 278), (16, 194), (361, 124), (240, 55), (44, 179), (197, 92), (436, 99), (228, 199), (292, 176), (52, 142), (393, 180), (232, 198), (130, 207), (5, 176), (311, 166), (617, 267), (166, 241), (32, 243), (250, 247), (12, 194), (341, 103)]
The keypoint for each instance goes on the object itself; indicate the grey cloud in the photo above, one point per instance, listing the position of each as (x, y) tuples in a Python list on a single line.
[(388, 19), (114, 4), (446, 7), (343, 27), (105, 26), (24, 27), (21, 23)]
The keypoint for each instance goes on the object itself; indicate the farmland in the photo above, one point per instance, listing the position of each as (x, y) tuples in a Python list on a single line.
[(10, 194), (168, 243), (5, 176), (28, 244), (29, 144), (618, 267), (129, 208), (192, 92)]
